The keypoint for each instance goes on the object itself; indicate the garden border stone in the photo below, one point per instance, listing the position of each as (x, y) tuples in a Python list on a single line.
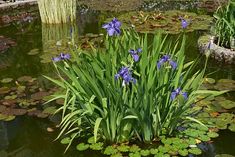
[(217, 52)]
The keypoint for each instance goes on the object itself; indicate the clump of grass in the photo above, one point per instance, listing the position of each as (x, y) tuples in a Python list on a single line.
[(225, 24)]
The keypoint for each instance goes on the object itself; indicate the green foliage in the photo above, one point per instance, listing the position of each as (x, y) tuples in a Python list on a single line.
[(225, 24), (115, 112)]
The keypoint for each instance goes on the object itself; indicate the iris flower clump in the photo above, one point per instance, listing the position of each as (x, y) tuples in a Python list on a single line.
[(184, 23), (166, 59), (178, 92), (62, 56), (126, 74), (134, 54), (96, 103), (113, 27)]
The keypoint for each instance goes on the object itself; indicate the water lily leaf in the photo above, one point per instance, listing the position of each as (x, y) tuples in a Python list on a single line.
[(65, 140), (96, 146), (6, 80), (24, 79), (183, 152), (123, 148), (195, 151), (49, 110), (136, 154), (232, 127), (110, 150), (6, 117), (153, 151), (212, 134), (4, 90), (82, 146), (145, 152), (39, 95), (209, 80), (10, 97), (227, 104), (134, 148), (33, 52), (116, 155)]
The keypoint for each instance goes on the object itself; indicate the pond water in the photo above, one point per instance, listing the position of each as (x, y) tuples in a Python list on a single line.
[(28, 136)]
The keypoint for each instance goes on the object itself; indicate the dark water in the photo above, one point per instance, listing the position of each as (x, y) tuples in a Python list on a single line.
[(27, 136)]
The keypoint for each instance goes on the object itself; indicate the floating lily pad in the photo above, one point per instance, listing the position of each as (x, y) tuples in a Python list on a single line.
[(232, 127), (39, 95), (227, 104), (6, 117), (169, 21), (24, 79), (116, 155), (209, 80), (123, 148), (195, 151), (65, 140), (110, 150), (134, 148), (49, 110), (82, 146), (6, 80), (212, 134), (183, 152), (4, 90), (33, 52), (97, 146), (145, 152), (136, 154), (153, 151)]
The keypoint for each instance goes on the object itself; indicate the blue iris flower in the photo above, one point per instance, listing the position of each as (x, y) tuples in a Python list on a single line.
[(134, 54), (184, 23), (166, 59), (177, 92), (62, 56), (113, 27), (126, 75)]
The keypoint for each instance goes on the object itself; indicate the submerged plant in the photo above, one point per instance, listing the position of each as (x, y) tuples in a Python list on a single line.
[(142, 107)]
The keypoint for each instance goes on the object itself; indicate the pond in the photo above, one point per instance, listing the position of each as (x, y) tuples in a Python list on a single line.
[(29, 136)]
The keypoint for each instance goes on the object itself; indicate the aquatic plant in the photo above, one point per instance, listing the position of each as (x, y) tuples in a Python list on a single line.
[(57, 11), (224, 28), (152, 98)]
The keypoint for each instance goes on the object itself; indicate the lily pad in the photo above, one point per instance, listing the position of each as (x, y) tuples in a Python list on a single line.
[(195, 151), (232, 127), (6, 80), (82, 146), (110, 150), (4, 90), (24, 79), (49, 110), (97, 146), (209, 80), (134, 148), (212, 134), (183, 152), (227, 104), (33, 52), (65, 140), (145, 152), (123, 148)]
